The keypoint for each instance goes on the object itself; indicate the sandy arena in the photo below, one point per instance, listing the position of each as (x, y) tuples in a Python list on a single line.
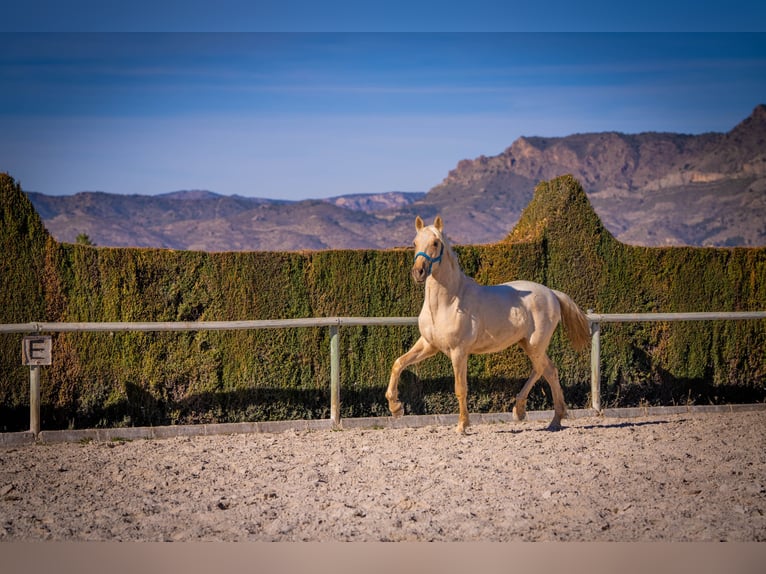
[(690, 477)]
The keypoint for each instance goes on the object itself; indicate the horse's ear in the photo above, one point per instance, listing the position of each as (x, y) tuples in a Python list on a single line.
[(438, 223), (418, 223)]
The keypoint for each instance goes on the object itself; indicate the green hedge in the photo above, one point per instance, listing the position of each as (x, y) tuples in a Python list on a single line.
[(123, 379), (24, 245)]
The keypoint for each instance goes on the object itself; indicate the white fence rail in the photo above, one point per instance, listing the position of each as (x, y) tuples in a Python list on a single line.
[(597, 318), (334, 324)]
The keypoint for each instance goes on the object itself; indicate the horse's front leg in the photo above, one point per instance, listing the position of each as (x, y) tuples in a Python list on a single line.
[(460, 367), (422, 349)]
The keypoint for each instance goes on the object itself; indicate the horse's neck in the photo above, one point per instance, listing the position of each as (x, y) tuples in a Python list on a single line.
[(447, 283)]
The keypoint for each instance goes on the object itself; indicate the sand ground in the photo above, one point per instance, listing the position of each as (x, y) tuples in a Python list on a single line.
[(691, 477)]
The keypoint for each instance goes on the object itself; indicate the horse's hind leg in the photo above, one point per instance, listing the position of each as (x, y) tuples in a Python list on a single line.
[(551, 375), (520, 408), (538, 367), (541, 366)]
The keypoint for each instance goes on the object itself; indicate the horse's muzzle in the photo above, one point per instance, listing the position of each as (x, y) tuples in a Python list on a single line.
[(419, 273)]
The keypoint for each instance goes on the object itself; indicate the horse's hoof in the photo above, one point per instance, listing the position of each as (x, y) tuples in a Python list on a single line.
[(397, 410), (555, 426), (519, 415)]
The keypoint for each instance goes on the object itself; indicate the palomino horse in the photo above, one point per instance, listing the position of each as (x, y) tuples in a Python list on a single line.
[(461, 317)]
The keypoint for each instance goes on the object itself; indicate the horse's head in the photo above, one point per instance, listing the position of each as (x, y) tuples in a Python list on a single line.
[(429, 248)]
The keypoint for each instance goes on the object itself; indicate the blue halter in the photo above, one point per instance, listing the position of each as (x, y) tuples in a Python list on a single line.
[(431, 260)]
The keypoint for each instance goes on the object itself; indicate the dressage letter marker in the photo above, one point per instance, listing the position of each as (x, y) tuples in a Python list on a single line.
[(36, 351)]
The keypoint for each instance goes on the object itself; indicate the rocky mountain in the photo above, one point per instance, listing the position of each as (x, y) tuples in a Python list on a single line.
[(649, 189)]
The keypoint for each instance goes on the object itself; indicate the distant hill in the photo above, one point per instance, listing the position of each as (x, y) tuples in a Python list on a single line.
[(649, 189), (207, 221)]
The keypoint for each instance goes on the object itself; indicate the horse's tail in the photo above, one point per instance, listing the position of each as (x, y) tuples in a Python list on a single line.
[(574, 320)]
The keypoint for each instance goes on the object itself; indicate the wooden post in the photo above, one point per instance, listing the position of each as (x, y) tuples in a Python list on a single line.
[(595, 366), (35, 352), (34, 400), (334, 376)]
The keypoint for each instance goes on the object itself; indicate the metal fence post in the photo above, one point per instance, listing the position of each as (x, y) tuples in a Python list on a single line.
[(334, 376), (34, 399), (595, 366)]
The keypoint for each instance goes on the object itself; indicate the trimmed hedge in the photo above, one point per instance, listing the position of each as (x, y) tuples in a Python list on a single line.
[(124, 379)]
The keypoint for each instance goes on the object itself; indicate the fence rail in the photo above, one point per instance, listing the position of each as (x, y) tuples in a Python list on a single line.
[(596, 319), (334, 324), (149, 326)]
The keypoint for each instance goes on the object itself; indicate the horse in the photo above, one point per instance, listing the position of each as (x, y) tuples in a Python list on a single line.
[(459, 317)]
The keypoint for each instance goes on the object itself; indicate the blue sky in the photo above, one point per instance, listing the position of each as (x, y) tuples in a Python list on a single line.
[(306, 115), (388, 16)]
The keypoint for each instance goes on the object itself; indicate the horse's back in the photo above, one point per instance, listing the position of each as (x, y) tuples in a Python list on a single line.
[(500, 315), (530, 292), (510, 298)]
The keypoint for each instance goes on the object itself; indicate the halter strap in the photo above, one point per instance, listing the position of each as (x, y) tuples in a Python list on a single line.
[(431, 260)]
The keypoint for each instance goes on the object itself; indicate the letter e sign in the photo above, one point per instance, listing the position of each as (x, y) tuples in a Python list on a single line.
[(36, 351)]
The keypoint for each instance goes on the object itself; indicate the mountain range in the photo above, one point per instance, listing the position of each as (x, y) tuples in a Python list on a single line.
[(653, 189)]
